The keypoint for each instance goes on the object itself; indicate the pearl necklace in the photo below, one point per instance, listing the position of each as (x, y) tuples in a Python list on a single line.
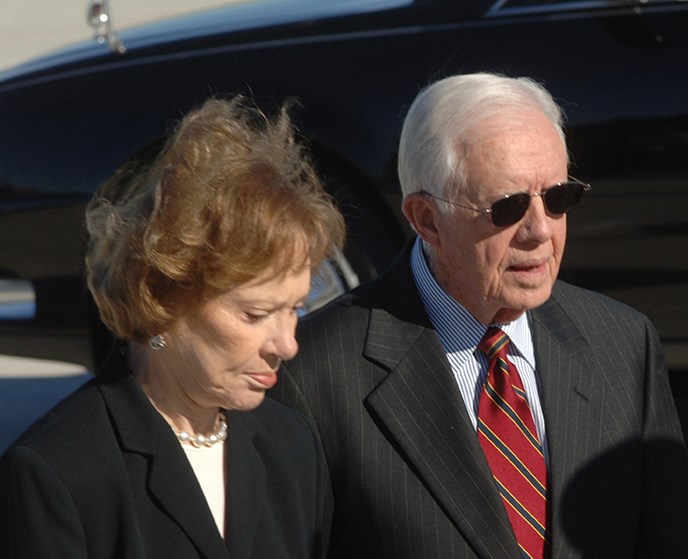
[(201, 440)]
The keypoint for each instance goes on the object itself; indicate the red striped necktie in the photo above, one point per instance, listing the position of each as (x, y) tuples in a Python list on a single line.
[(507, 434)]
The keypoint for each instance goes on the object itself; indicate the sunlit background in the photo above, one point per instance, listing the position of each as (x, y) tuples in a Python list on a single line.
[(30, 28)]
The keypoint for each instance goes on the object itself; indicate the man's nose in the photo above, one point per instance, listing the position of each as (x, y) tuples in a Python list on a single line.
[(537, 223)]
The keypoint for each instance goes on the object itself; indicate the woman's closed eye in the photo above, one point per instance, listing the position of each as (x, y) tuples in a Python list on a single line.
[(256, 316)]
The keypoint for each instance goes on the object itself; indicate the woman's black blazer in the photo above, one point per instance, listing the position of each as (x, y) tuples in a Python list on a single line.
[(103, 476)]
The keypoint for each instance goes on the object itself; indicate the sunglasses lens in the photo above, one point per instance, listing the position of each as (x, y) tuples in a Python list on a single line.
[(560, 198), (508, 211)]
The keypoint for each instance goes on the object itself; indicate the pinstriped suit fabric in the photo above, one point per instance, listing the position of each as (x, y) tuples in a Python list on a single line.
[(618, 436), (371, 466), (409, 478)]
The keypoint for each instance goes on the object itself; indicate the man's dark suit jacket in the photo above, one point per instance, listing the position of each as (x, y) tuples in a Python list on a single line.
[(410, 480), (103, 476)]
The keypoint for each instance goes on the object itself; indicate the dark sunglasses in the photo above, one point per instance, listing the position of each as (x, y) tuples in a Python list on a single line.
[(511, 208)]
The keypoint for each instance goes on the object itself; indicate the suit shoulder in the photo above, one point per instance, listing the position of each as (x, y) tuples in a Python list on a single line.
[(335, 315), (586, 304), (77, 417)]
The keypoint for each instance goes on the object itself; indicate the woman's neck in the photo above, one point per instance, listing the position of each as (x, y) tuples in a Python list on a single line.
[(159, 381)]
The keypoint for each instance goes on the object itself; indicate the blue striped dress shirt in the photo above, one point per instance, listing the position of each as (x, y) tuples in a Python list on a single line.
[(460, 333)]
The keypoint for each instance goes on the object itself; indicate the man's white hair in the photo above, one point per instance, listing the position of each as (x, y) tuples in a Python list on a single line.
[(444, 117)]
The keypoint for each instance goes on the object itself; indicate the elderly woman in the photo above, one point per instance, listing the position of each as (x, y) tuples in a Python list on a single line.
[(199, 264)]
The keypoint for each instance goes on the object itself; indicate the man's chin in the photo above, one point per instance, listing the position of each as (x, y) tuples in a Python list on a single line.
[(523, 303)]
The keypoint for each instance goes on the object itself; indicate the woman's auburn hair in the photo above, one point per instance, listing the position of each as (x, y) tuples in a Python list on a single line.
[(231, 196)]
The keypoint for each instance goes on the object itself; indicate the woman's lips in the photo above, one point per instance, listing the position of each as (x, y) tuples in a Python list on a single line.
[(266, 380)]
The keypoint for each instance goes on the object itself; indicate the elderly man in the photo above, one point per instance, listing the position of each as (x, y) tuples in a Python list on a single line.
[(471, 405)]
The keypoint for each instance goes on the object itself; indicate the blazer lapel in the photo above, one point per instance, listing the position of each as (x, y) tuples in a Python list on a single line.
[(245, 484), (421, 406), (174, 484), (171, 479)]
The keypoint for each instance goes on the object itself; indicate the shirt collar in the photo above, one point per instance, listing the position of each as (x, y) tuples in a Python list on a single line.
[(459, 331)]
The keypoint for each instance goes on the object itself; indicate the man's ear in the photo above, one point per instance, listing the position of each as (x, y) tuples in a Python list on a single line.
[(423, 215)]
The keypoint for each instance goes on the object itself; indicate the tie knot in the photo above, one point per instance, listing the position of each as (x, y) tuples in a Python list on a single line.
[(494, 343)]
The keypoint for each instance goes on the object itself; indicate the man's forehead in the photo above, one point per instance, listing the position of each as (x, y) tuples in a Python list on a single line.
[(504, 122)]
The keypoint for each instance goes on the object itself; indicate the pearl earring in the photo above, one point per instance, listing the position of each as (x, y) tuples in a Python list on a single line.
[(158, 342)]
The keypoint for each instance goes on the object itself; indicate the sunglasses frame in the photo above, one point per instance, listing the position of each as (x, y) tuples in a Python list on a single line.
[(488, 213)]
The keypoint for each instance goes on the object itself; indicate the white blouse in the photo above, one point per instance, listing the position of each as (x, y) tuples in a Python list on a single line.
[(208, 465)]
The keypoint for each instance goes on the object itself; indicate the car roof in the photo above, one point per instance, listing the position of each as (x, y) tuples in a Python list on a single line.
[(235, 18)]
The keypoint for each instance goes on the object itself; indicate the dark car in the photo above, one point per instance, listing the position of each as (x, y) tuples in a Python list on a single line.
[(618, 67)]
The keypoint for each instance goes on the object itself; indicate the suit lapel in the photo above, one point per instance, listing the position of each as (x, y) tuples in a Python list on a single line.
[(170, 477), (421, 407), (569, 397)]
